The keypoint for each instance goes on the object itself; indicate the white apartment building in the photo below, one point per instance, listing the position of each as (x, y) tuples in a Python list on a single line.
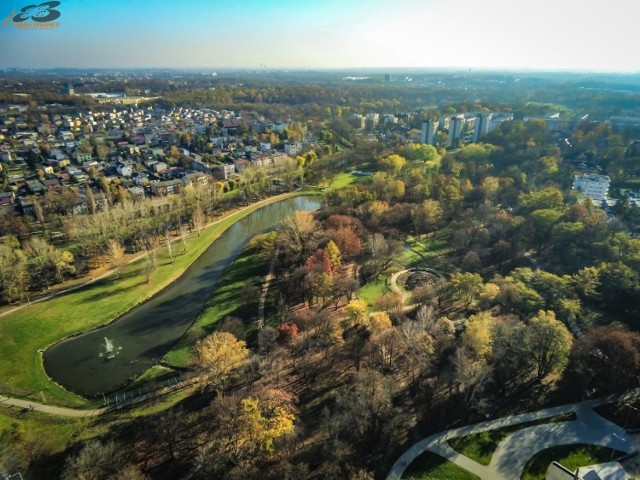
[(591, 185)]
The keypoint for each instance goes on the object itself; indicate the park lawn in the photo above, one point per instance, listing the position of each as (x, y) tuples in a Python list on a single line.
[(244, 276), (40, 325), (429, 466), (569, 456), (374, 289), (343, 179), (56, 431), (480, 446)]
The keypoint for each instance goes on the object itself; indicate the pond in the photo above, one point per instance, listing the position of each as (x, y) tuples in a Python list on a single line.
[(108, 358)]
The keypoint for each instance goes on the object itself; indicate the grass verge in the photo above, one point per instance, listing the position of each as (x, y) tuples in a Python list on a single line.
[(480, 446), (429, 466), (236, 295), (38, 326), (569, 456)]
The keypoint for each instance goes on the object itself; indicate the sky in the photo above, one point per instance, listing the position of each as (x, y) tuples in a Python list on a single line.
[(490, 34)]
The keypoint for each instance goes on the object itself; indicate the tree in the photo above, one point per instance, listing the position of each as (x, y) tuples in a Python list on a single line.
[(220, 355), (356, 312), (297, 238), (364, 409), (477, 337), (46, 261), (333, 252), (549, 343), (606, 360), (466, 286), (424, 153), (392, 162), (14, 276), (96, 461), (379, 322), (245, 431), (427, 216), (116, 254), (347, 242), (510, 355), (471, 376)]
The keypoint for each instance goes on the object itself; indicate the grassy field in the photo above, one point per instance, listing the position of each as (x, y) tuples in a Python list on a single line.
[(40, 325), (372, 290), (429, 466), (231, 299), (480, 446), (347, 178), (569, 456)]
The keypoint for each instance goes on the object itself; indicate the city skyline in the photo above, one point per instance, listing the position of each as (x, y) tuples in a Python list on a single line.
[(495, 34)]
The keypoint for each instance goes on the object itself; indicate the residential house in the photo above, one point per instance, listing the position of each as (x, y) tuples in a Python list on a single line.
[(124, 169), (166, 187), (81, 157), (35, 187), (197, 178), (293, 149), (223, 172)]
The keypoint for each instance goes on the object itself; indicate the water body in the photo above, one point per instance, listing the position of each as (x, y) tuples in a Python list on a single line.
[(143, 335)]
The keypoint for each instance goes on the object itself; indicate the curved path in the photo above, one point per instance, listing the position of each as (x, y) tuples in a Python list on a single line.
[(135, 258), (513, 453)]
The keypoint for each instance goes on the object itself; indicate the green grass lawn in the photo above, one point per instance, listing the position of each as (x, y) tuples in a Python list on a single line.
[(343, 179), (480, 446), (429, 466), (569, 456), (242, 280), (373, 289), (39, 326)]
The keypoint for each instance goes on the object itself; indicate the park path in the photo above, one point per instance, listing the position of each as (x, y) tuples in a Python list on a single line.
[(513, 453), (51, 409), (131, 260)]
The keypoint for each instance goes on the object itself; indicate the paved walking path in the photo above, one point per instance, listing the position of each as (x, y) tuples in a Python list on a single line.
[(513, 453), (40, 407)]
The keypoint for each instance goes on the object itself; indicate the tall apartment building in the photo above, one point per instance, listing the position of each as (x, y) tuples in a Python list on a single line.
[(483, 120), (455, 129), (427, 133)]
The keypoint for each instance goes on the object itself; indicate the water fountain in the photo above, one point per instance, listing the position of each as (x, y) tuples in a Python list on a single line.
[(109, 349)]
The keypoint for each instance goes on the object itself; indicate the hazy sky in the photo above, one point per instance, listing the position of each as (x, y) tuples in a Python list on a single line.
[(536, 34)]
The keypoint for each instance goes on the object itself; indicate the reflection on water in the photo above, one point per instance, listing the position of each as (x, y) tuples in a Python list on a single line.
[(143, 335)]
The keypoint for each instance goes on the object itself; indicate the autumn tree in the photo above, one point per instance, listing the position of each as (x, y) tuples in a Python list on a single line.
[(356, 312), (116, 254), (96, 461), (477, 335), (220, 355), (246, 430), (46, 262), (606, 360), (14, 276), (333, 252), (549, 343), (297, 238)]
